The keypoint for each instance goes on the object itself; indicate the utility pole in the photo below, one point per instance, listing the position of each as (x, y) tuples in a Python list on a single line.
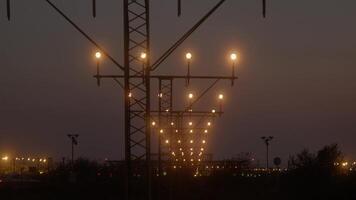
[(74, 142), (267, 140)]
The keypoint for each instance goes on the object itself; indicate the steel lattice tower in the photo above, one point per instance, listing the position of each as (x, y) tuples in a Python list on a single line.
[(137, 90)]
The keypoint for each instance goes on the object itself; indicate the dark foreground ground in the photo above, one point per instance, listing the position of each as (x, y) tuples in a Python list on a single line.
[(312, 176), (182, 187)]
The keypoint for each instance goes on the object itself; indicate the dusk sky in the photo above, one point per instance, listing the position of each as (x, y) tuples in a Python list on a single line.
[(296, 75)]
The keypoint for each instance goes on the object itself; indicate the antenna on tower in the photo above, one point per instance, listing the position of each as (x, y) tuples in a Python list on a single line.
[(264, 8), (179, 7), (94, 8), (8, 10)]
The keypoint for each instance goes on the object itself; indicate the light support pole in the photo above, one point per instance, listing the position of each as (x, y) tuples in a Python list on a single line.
[(188, 56), (74, 142), (267, 140), (98, 57), (233, 58), (221, 98)]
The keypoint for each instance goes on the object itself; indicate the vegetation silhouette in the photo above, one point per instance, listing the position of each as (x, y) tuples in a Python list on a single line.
[(310, 176)]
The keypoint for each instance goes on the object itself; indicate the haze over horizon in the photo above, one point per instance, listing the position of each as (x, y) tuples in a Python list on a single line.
[(296, 75)]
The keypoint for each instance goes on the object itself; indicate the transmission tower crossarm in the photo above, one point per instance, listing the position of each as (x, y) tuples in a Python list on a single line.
[(170, 77), (101, 49), (166, 54)]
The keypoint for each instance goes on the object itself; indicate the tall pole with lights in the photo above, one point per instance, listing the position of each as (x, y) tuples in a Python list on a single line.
[(267, 140), (74, 142)]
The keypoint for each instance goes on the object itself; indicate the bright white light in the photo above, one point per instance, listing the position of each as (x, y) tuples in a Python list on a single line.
[(98, 55), (188, 56), (143, 55), (221, 96), (233, 56)]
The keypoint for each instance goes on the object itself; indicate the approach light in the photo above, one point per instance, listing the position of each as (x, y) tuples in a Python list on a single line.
[(98, 55), (233, 56), (221, 96), (143, 55), (188, 56)]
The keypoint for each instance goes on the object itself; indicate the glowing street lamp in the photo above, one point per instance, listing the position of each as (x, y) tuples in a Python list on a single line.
[(98, 58), (188, 57), (233, 58), (153, 123)]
